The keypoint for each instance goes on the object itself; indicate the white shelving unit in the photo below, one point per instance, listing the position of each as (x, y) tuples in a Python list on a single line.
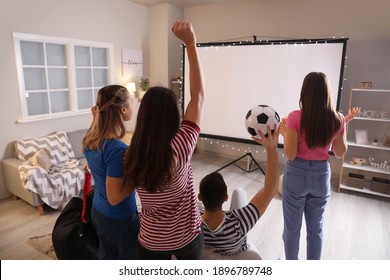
[(371, 100), (176, 87)]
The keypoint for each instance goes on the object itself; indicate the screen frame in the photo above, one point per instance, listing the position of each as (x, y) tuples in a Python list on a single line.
[(343, 41)]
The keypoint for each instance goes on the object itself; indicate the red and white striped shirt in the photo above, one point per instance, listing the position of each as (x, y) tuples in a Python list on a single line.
[(170, 219)]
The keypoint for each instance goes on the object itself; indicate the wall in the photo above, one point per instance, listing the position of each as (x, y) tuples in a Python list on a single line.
[(164, 47), (174, 45), (127, 26), (158, 37), (120, 22), (367, 51)]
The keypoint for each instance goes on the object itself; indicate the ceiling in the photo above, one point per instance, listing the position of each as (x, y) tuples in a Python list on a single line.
[(182, 3), (367, 18)]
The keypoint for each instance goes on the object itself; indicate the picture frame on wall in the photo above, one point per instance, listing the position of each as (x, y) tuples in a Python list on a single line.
[(361, 136), (132, 63), (366, 85)]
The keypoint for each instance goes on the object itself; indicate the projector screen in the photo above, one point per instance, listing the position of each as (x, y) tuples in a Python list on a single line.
[(239, 76)]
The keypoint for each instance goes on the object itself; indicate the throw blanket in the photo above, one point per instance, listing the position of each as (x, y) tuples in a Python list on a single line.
[(62, 181), (57, 187)]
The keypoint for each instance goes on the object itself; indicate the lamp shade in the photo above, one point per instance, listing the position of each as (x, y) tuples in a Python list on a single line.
[(130, 87)]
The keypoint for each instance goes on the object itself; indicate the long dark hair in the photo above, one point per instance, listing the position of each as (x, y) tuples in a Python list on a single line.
[(107, 119), (149, 160), (319, 119)]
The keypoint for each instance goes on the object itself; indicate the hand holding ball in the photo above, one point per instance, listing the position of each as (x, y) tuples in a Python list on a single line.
[(259, 117)]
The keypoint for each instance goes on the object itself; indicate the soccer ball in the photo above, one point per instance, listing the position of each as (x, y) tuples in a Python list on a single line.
[(259, 117)]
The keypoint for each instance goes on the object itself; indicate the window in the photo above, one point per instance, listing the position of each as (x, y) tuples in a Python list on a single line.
[(59, 77)]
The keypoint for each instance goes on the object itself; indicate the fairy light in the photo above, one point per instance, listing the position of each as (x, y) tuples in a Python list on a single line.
[(283, 41), (232, 147), (297, 42), (236, 148)]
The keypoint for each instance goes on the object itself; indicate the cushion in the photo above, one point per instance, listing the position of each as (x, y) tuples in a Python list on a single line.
[(57, 143), (41, 159), (75, 139)]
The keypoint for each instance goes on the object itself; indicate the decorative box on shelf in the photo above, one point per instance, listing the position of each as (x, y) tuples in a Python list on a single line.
[(380, 185), (358, 161), (355, 180)]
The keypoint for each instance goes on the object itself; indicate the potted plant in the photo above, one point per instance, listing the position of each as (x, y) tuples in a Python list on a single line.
[(143, 85)]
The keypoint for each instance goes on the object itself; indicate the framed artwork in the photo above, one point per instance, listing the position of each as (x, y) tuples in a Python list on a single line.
[(132, 65), (361, 136), (366, 85)]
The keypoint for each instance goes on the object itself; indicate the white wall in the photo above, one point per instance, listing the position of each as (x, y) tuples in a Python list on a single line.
[(164, 47), (120, 22), (174, 45), (158, 38)]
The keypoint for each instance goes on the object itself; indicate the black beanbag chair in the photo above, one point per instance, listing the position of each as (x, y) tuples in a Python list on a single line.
[(73, 239)]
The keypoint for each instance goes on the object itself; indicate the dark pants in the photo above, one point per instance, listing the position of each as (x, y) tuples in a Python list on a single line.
[(192, 251), (117, 238)]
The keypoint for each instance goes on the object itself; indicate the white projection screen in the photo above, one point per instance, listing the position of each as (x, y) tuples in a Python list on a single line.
[(239, 76)]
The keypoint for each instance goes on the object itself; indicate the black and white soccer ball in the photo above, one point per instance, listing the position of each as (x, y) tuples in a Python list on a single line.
[(259, 117)]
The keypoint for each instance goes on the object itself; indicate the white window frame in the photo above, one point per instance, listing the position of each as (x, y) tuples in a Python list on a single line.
[(71, 66)]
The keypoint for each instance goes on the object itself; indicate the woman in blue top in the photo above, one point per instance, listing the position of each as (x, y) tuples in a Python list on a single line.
[(114, 210)]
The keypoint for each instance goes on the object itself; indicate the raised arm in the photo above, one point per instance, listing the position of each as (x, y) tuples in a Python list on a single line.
[(184, 31), (339, 145), (352, 113), (264, 196)]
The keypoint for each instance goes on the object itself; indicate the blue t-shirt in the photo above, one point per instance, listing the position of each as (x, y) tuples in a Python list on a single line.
[(109, 162)]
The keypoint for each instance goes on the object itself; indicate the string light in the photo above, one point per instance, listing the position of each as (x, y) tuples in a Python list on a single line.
[(283, 41), (234, 147), (300, 42)]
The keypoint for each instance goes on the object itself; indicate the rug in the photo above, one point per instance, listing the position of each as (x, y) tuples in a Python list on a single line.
[(43, 244)]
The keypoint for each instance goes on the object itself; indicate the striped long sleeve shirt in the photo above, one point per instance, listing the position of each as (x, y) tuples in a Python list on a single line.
[(230, 236), (170, 219)]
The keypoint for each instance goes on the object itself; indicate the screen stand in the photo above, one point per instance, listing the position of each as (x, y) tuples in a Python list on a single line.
[(249, 162)]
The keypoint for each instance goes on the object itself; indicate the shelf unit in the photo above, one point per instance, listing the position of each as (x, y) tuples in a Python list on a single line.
[(176, 85), (379, 99)]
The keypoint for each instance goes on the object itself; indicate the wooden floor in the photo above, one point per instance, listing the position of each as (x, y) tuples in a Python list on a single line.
[(357, 226)]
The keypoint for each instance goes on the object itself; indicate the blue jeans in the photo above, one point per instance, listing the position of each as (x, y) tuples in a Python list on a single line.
[(306, 189), (117, 238)]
